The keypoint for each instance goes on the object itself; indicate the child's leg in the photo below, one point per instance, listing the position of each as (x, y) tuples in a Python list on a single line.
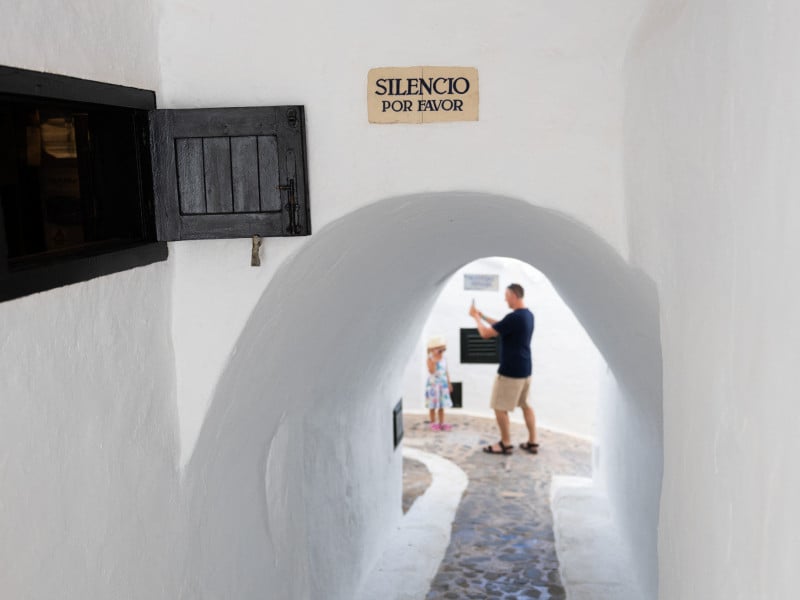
[(433, 415), (443, 426)]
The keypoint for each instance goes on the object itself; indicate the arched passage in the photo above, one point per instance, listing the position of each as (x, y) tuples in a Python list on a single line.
[(306, 394)]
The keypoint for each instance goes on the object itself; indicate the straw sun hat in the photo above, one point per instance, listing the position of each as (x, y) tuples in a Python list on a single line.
[(437, 341)]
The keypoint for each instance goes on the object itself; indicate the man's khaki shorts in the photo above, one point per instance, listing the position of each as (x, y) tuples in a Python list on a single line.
[(510, 392)]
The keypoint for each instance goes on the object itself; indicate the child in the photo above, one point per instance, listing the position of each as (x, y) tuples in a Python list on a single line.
[(438, 388)]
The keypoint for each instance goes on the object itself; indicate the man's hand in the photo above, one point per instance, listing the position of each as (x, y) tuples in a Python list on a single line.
[(474, 312)]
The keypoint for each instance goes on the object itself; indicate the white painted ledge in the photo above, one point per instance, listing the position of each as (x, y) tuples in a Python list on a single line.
[(408, 565), (594, 564)]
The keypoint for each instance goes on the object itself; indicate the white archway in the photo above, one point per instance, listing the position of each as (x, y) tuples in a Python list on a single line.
[(308, 390)]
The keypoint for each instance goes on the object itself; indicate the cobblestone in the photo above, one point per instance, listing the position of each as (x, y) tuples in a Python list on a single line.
[(502, 543)]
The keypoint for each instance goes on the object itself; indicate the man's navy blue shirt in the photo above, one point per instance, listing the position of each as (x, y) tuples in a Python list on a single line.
[(516, 330)]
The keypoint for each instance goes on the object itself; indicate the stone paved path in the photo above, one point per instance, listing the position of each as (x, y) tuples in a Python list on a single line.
[(502, 542)]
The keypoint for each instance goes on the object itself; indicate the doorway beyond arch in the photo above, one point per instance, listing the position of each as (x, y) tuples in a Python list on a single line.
[(567, 367)]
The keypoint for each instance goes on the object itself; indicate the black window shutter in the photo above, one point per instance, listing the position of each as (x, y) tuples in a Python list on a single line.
[(229, 172)]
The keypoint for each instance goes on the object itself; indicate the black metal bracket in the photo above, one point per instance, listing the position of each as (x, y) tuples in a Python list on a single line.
[(293, 207)]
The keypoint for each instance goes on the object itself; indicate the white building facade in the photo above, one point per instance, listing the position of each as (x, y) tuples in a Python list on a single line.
[(199, 428)]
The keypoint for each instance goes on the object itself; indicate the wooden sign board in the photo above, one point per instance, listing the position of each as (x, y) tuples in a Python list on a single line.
[(422, 94)]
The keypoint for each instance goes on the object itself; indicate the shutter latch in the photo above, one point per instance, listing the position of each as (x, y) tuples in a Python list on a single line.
[(255, 257), (293, 207)]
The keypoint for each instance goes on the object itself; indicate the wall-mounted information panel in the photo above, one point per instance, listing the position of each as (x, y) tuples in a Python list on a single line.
[(475, 349)]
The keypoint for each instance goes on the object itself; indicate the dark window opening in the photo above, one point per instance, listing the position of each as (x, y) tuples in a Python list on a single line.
[(69, 180), (76, 192)]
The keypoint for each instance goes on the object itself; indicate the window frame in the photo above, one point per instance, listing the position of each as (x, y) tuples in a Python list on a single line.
[(83, 264)]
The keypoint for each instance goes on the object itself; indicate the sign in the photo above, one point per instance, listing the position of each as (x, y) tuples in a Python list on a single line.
[(422, 94), (475, 349), (397, 420), (481, 282)]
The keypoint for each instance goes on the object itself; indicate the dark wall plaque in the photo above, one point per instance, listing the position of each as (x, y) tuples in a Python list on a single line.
[(475, 349), (398, 422)]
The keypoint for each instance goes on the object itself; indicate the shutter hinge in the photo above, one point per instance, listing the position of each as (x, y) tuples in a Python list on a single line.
[(293, 207)]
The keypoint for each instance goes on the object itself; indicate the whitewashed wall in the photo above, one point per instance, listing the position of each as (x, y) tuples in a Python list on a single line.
[(283, 478), (712, 147), (567, 366), (319, 379), (214, 290), (551, 108), (88, 444), (88, 423), (549, 133), (111, 41)]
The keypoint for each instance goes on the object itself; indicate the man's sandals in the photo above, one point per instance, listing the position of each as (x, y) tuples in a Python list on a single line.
[(503, 448), (531, 447)]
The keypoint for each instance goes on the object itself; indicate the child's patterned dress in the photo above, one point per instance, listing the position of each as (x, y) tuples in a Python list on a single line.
[(437, 394)]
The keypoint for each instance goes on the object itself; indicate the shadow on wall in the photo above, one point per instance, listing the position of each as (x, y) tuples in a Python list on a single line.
[(293, 484)]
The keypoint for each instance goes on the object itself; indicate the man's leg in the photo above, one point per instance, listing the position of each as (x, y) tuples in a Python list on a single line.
[(503, 398), (504, 425), (530, 423), (530, 417)]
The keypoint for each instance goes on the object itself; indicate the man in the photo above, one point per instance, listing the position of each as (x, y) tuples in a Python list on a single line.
[(512, 385)]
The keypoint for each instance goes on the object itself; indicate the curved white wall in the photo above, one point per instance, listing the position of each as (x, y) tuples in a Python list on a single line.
[(712, 146), (319, 366), (550, 126), (214, 291), (550, 129)]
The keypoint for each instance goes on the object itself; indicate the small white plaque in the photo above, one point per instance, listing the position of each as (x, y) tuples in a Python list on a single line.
[(481, 282)]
